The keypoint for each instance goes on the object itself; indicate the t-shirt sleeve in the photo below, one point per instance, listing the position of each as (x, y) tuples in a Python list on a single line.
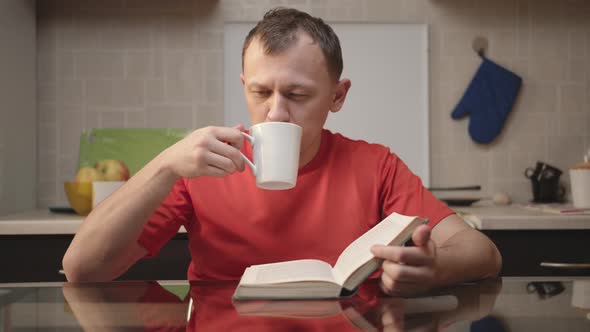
[(403, 192), (175, 210)]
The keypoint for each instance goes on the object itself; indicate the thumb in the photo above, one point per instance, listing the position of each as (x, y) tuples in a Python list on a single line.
[(421, 236), (239, 127), (460, 111)]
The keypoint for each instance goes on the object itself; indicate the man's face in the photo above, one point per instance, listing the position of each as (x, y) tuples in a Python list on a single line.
[(291, 86)]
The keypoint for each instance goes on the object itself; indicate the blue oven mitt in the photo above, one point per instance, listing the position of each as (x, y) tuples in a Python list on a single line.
[(489, 99)]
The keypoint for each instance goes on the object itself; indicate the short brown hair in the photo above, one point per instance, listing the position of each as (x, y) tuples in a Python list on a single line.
[(278, 30)]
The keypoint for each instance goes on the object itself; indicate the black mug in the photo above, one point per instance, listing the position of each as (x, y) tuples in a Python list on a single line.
[(542, 171), (548, 191), (545, 183)]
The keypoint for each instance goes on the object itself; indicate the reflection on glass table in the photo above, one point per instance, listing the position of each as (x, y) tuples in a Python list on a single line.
[(509, 304)]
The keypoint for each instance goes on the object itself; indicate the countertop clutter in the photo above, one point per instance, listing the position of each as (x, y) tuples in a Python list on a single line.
[(483, 217), (520, 217)]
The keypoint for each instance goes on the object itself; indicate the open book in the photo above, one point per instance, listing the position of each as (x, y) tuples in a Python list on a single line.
[(363, 315), (311, 278), (323, 308)]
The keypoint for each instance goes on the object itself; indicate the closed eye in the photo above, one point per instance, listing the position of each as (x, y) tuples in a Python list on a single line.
[(260, 93), (293, 95)]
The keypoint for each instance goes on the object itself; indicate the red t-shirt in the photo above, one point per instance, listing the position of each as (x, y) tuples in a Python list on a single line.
[(213, 310), (346, 189)]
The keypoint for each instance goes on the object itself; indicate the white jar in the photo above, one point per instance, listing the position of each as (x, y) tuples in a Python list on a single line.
[(580, 183)]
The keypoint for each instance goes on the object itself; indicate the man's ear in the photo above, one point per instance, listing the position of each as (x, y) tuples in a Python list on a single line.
[(340, 94), (242, 78)]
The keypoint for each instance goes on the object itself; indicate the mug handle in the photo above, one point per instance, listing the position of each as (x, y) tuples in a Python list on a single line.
[(561, 192), (248, 162), (528, 172)]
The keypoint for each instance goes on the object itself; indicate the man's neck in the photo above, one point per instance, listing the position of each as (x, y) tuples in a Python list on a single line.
[(307, 156)]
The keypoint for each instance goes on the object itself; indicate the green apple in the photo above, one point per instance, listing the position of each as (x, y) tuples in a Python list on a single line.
[(88, 174), (113, 170)]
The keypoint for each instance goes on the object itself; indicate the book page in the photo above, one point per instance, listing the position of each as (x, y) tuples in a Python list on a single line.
[(289, 308), (291, 271), (395, 229)]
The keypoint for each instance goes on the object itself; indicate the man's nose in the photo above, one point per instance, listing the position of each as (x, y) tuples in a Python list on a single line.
[(278, 110)]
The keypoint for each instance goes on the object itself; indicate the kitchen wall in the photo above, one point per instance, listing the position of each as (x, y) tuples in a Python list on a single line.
[(158, 63), (18, 122)]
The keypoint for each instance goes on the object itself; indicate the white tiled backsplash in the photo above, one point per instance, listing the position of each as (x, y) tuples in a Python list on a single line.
[(1, 170), (159, 63)]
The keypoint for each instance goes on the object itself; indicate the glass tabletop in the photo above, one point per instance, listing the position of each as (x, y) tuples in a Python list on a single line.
[(509, 304)]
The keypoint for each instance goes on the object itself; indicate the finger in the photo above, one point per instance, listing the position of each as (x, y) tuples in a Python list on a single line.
[(227, 151), (416, 256), (388, 328), (385, 283), (421, 236), (407, 273), (393, 320), (393, 328), (214, 172), (425, 322), (239, 127), (393, 287), (221, 162), (233, 136), (387, 318)]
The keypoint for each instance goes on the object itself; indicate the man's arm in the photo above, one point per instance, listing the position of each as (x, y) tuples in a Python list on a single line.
[(450, 253), (106, 245), (104, 307), (463, 253)]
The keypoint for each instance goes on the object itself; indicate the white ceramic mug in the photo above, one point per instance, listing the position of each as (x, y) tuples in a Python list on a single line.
[(581, 294), (580, 183), (103, 189), (275, 150)]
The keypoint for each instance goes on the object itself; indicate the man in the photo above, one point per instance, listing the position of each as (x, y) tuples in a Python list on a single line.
[(291, 72), (151, 306)]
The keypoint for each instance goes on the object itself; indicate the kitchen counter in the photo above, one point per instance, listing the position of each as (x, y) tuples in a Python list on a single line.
[(482, 217), (514, 217), (534, 242), (43, 222), (527, 239), (41, 239)]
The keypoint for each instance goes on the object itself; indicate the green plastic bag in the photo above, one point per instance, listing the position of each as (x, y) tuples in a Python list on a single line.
[(135, 147)]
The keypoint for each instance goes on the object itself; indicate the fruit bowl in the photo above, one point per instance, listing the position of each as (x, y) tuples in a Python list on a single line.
[(83, 196), (80, 196)]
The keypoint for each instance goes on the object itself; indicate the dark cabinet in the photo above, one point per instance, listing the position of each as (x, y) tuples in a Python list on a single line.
[(37, 258), (543, 252)]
